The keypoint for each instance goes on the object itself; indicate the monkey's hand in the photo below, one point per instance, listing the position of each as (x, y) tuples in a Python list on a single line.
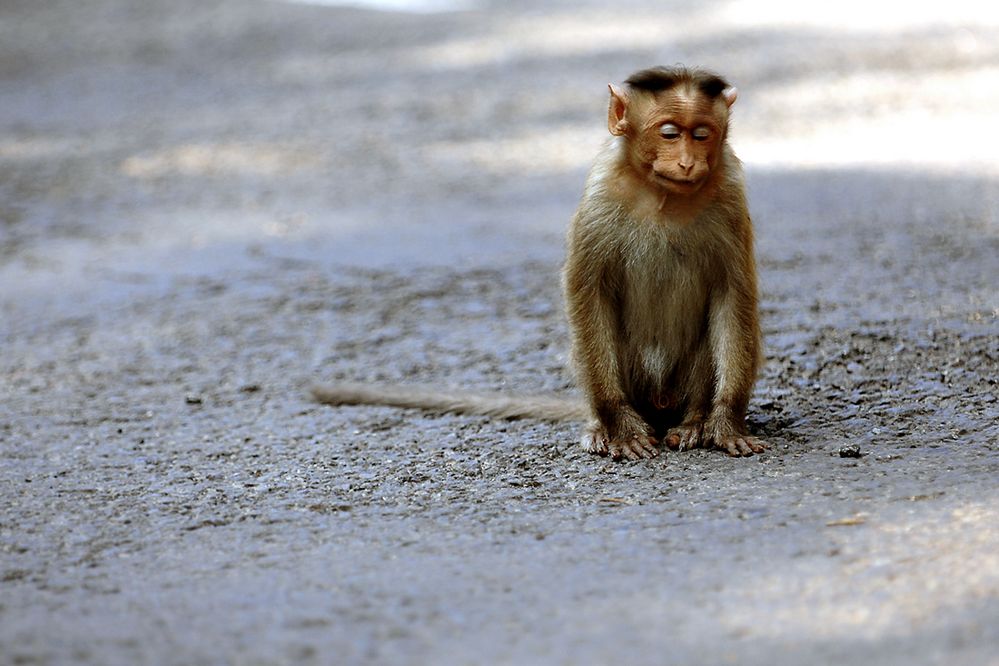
[(731, 437), (740, 445), (632, 439)]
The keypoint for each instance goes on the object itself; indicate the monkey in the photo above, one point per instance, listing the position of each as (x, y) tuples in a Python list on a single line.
[(660, 277), (659, 284)]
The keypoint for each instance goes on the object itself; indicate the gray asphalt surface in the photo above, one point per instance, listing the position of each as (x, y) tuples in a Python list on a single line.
[(206, 206)]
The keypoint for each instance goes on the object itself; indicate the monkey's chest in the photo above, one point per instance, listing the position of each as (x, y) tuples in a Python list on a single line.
[(664, 315)]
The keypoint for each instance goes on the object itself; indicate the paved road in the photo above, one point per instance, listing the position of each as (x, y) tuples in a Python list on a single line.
[(205, 206)]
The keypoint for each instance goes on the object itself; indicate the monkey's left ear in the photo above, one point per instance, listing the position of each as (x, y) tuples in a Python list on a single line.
[(617, 123), (729, 95)]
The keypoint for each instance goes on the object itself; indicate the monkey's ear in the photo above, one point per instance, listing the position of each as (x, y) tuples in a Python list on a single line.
[(729, 95), (616, 122)]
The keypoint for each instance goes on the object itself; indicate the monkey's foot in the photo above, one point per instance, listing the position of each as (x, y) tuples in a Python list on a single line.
[(740, 445), (637, 446), (685, 437)]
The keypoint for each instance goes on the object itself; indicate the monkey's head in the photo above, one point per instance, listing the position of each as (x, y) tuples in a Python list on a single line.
[(674, 121)]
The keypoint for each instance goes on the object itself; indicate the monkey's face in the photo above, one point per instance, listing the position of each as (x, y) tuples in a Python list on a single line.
[(675, 136), (679, 139)]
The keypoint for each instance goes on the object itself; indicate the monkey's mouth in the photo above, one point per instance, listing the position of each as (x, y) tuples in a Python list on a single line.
[(680, 183)]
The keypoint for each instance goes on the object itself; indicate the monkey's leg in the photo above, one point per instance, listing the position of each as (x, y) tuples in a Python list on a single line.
[(618, 430), (725, 427)]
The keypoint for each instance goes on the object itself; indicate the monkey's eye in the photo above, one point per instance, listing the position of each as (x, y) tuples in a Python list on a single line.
[(670, 131), (701, 133)]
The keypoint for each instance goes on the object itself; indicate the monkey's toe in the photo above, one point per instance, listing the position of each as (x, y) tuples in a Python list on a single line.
[(684, 437)]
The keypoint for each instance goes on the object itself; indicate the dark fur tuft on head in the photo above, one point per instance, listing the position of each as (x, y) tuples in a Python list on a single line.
[(655, 79), (658, 79), (712, 85)]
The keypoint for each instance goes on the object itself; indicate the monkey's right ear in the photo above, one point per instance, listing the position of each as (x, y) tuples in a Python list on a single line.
[(616, 122), (729, 95)]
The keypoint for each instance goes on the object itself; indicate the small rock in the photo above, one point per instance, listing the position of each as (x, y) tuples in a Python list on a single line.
[(850, 451), (193, 399)]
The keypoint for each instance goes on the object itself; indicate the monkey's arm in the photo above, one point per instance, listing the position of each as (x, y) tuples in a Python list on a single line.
[(589, 283), (735, 348)]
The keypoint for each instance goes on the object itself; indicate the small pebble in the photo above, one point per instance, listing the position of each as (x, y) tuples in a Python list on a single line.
[(850, 451)]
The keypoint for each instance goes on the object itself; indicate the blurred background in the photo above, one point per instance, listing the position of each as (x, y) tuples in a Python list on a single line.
[(160, 125)]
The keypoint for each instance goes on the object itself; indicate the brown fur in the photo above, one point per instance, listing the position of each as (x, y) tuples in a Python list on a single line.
[(659, 282)]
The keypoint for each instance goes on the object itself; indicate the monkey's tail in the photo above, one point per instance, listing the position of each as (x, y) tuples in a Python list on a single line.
[(543, 408)]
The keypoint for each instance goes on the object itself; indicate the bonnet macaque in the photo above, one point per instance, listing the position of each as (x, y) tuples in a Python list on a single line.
[(659, 284)]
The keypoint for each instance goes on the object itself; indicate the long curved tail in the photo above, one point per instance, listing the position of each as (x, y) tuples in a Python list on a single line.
[(543, 408)]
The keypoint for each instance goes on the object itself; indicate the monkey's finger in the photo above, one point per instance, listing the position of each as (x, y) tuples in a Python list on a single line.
[(738, 446), (594, 443), (729, 445), (673, 441), (647, 447), (632, 453), (634, 450), (685, 437), (753, 445)]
